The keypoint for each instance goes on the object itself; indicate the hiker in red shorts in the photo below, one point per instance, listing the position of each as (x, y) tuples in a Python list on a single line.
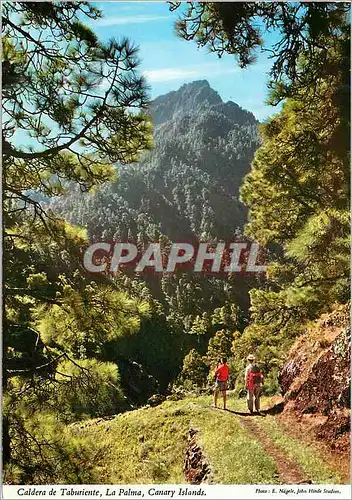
[(221, 376), (253, 381)]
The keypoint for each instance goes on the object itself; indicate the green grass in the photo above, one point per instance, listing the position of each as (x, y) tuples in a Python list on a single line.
[(148, 445), (143, 446), (307, 456), (236, 457)]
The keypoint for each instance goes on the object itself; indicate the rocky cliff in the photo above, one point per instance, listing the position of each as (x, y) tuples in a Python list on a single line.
[(316, 380)]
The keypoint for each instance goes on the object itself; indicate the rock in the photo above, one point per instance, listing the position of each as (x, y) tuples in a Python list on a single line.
[(316, 376), (309, 409), (196, 465), (156, 399)]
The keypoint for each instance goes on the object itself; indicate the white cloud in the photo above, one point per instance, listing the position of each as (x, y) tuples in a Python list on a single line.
[(120, 20), (168, 74)]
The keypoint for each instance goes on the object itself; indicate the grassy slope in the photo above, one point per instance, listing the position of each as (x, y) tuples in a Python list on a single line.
[(148, 445)]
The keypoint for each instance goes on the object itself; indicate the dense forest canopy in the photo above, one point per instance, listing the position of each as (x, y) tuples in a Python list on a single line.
[(72, 341)]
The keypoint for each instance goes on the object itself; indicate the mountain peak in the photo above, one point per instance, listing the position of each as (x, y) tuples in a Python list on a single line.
[(189, 97), (195, 97), (196, 83), (200, 91)]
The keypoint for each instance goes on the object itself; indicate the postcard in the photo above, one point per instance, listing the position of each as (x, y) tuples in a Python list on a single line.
[(176, 236)]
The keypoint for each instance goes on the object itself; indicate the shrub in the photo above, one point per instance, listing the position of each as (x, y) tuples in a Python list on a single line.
[(194, 370)]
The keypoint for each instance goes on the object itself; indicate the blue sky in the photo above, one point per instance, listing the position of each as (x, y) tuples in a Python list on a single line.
[(168, 61)]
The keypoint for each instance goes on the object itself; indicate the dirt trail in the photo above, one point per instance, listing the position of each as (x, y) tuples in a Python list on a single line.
[(288, 471)]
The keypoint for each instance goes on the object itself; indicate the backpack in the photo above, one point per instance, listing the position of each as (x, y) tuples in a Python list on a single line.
[(255, 377)]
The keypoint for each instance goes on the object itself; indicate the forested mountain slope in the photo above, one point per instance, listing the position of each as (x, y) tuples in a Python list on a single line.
[(187, 186), (185, 189)]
